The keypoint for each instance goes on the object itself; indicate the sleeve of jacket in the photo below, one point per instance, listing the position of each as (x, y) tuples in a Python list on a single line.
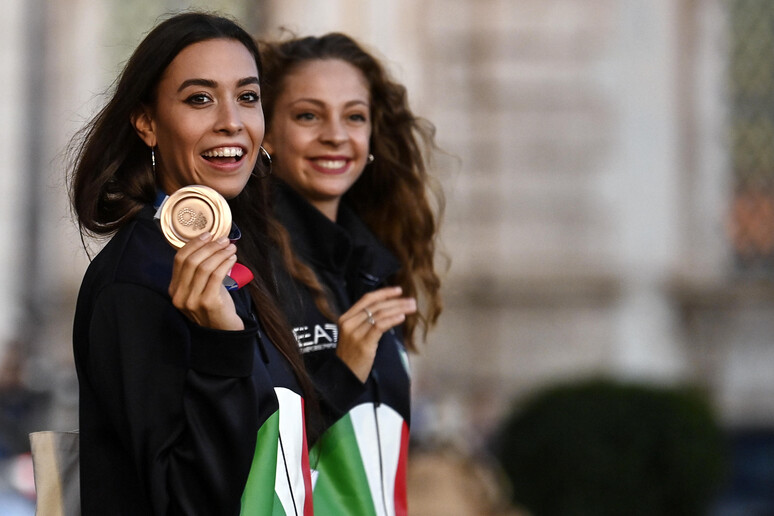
[(181, 397)]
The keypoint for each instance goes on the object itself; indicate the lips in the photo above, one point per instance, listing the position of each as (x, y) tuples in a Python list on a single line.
[(331, 165), (231, 154)]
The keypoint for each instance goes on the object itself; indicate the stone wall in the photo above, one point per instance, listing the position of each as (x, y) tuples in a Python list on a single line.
[(586, 179)]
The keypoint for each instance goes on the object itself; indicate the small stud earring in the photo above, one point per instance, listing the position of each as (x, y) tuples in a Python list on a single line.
[(371, 158)]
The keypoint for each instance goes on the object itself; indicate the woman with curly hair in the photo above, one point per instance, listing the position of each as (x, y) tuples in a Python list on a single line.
[(191, 389), (354, 195)]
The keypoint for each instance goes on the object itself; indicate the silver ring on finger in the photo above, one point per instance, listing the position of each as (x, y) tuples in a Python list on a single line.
[(370, 316)]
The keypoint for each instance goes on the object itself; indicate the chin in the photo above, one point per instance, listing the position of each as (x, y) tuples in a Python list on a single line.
[(229, 191)]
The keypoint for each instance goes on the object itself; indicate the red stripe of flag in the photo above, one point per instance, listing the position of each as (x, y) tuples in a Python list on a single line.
[(401, 500), (308, 503)]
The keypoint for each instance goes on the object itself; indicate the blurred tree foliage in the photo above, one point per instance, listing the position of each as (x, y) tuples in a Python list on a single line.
[(601, 448)]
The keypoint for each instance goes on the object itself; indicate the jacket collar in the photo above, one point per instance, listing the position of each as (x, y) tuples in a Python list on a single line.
[(335, 246)]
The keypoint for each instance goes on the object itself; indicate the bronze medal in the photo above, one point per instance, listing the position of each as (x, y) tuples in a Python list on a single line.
[(191, 211)]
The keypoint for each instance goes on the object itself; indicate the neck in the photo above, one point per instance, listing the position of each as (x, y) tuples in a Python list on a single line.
[(328, 208)]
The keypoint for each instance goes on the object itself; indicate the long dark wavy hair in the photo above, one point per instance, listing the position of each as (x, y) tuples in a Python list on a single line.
[(393, 196), (111, 178)]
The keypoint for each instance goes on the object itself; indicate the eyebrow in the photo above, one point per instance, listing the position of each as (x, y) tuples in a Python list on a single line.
[(322, 104), (212, 84)]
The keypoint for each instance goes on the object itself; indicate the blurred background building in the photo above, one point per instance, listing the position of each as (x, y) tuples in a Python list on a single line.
[(609, 178)]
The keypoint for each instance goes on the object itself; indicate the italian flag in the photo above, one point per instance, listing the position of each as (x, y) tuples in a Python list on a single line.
[(279, 483), (359, 464)]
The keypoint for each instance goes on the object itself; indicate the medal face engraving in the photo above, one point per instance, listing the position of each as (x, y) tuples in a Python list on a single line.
[(188, 217), (191, 211)]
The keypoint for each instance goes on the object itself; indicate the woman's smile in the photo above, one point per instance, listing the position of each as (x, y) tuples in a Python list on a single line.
[(333, 165), (225, 159)]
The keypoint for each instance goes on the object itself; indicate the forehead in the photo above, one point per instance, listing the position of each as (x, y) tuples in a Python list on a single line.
[(329, 80), (221, 60)]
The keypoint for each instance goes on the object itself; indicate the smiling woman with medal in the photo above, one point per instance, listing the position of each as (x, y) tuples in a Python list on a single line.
[(191, 386)]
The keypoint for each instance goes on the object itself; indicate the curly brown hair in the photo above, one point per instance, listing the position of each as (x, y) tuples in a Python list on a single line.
[(395, 198)]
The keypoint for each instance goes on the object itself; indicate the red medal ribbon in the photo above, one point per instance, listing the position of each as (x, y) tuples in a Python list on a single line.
[(241, 276)]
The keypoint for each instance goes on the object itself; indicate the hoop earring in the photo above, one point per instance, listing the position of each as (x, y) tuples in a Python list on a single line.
[(371, 158), (267, 157), (265, 162), (153, 160)]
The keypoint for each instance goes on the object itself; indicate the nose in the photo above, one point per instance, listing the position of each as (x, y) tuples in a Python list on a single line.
[(228, 121), (333, 132)]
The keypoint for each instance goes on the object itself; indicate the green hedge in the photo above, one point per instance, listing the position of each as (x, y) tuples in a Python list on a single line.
[(601, 448)]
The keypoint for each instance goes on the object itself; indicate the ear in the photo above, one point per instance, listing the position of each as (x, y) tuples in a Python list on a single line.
[(143, 124)]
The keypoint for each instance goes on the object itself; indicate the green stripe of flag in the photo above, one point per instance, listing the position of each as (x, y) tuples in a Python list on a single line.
[(259, 496), (342, 485), (279, 509)]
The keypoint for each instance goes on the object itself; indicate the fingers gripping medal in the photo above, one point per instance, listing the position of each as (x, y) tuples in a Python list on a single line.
[(193, 210)]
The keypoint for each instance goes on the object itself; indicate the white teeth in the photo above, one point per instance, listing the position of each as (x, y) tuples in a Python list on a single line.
[(224, 152), (331, 163)]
